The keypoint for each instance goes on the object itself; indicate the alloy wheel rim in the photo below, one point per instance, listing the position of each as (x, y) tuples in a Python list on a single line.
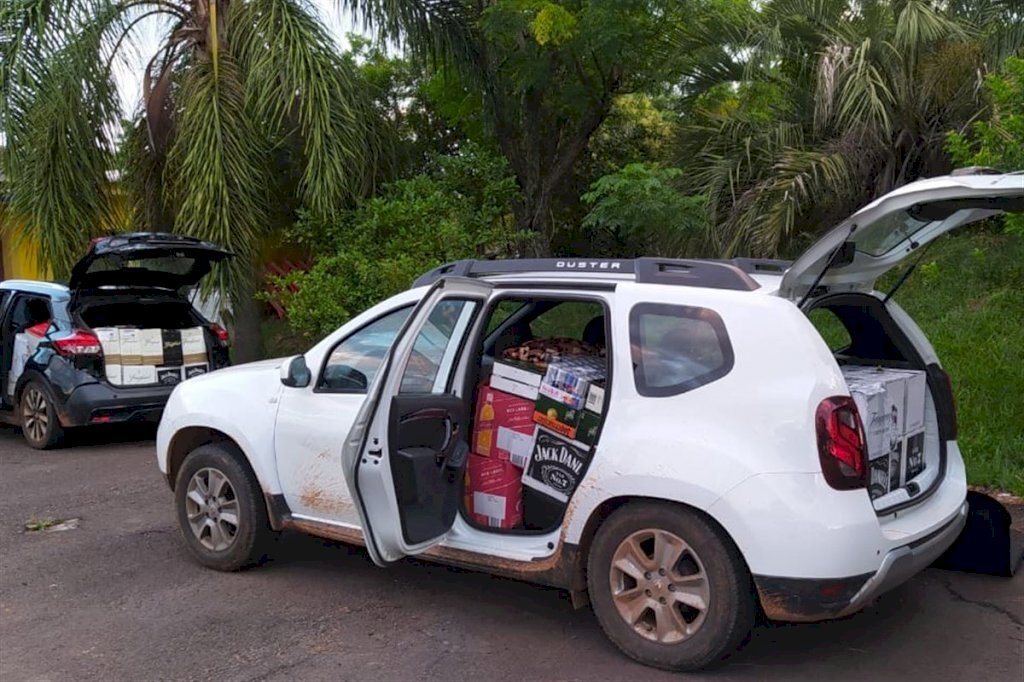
[(35, 415), (659, 586), (212, 509)]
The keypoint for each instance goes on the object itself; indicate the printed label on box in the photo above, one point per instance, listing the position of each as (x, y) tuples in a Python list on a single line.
[(879, 481), (110, 342), (168, 376), (895, 467), (517, 445), (151, 342), (138, 375), (915, 455), (195, 370), (131, 346), (595, 399), (172, 347), (491, 506), (556, 465)]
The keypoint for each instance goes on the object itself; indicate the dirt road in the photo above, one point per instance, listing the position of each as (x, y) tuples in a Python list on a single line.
[(118, 599)]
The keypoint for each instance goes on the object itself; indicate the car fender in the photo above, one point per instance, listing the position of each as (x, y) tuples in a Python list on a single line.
[(243, 407)]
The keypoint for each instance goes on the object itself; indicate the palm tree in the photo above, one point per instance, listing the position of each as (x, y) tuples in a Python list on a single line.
[(823, 104), (244, 102)]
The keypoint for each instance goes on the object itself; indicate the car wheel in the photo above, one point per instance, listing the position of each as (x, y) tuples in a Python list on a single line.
[(37, 413), (220, 509), (669, 588)]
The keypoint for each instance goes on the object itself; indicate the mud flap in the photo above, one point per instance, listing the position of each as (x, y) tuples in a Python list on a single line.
[(988, 544)]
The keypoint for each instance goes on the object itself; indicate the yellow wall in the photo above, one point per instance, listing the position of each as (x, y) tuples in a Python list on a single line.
[(20, 259)]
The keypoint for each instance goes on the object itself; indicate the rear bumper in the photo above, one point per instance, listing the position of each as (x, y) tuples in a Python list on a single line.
[(815, 599), (100, 403)]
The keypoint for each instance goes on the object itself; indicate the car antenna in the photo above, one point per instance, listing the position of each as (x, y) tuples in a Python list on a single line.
[(831, 261), (906, 273)]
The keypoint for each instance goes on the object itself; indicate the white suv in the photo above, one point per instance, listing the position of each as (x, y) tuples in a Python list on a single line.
[(729, 471)]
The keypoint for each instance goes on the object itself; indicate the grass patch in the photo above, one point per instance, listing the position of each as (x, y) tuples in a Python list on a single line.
[(33, 525), (968, 297)]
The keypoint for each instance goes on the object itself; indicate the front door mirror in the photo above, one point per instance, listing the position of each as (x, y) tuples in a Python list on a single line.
[(295, 373)]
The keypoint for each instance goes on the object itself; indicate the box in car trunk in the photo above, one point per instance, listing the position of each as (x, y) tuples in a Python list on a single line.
[(891, 403), (146, 357)]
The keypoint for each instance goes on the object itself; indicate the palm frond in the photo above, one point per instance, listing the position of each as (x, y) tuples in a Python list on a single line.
[(218, 160), (294, 78)]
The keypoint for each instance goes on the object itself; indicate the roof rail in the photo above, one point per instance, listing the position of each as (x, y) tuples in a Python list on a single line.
[(753, 266), (699, 273)]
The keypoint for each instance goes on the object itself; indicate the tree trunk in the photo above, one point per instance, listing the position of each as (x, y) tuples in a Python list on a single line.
[(246, 325)]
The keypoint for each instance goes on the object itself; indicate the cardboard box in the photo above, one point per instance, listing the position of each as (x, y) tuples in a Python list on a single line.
[(512, 387), (494, 492), (523, 374), (557, 416), (172, 354), (151, 344), (131, 346), (878, 477), (587, 430), (916, 390), (113, 373), (193, 345), (502, 419), (138, 375), (870, 401), (915, 455), (110, 342), (168, 376), (556, 466), (189, 371), (896, 465), (595, 399)]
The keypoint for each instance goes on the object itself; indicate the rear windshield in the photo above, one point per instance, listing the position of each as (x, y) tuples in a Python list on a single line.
[(175, 265), (677, 348)]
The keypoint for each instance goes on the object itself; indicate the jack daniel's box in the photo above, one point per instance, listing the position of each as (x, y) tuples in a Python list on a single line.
[(556, 465)]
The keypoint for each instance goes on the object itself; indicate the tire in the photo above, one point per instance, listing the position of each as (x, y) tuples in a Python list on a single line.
[(669, 630), (212, 489), (37, 415)]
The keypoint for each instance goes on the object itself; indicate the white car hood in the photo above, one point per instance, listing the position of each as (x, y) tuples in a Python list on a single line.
[(892, 227)]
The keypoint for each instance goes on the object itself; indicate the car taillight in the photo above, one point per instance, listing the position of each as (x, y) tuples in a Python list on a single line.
[(78, 342), (842, 447), (221, 333)]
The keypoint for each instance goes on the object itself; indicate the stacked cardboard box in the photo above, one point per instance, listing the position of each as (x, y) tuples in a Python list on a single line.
[(891, 406), (142, 357), (534, 426)]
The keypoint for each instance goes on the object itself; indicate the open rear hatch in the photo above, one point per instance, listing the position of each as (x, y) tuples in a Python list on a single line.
[(129, 290), (145, 260), (905, 403), (878, 237)]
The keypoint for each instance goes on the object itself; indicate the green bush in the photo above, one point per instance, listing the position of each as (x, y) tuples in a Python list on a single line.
[(999, 141), (459, 208)]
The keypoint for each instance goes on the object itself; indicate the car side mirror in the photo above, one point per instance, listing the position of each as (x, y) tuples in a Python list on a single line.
[(344, 378), (295, 373)]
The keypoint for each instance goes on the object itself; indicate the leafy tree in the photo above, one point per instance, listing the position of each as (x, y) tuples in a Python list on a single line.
[(999, 141), (459, 208), (639, 210), (246, 103), (802, 111), (547, 72)]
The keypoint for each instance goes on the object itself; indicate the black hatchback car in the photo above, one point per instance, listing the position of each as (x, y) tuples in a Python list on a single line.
[(111, 344)]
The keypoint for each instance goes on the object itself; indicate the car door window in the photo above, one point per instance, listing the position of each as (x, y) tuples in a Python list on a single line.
[(353, 363), (677, 348), (433, 355), (28, 311)]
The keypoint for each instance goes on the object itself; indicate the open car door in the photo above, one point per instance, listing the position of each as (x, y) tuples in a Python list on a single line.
[(406, 454), (878, 237)]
